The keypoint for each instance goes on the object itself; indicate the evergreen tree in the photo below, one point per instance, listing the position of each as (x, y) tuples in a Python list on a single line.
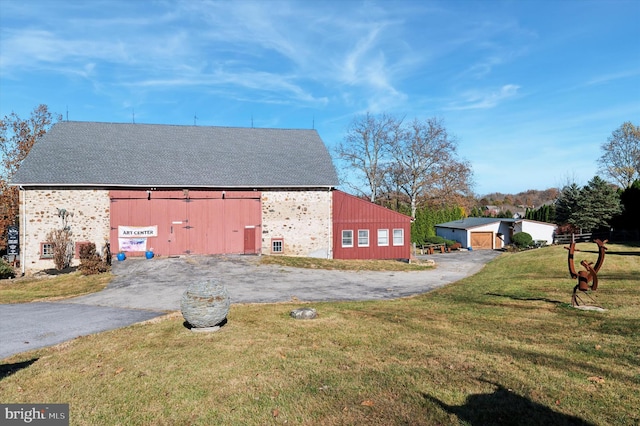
[(599, 203), (587, 208), (567, 204), (476, 212), (424, 226)]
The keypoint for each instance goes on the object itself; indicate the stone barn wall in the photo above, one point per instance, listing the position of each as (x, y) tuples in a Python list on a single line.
[(39, 213), (301, 219)]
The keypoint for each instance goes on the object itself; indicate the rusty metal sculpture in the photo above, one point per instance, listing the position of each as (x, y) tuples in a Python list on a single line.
[(587, 279), (572, 268), (601, 250)]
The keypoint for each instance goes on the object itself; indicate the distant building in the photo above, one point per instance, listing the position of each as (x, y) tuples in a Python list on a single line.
[(491, 210), (493, 233)]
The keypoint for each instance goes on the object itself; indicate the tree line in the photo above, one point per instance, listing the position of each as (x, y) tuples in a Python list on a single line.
[(597, 206), (413, 167)]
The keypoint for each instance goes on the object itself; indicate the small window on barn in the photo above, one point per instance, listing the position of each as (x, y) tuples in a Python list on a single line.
[(398, 237), (363, 238), (46, 250), (277, 245), (347, 238), (383, 237)]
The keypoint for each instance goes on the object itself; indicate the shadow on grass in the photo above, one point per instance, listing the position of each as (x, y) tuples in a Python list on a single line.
[(597, 365), (606, 275), (504, 407), (531, 299), (64, 271), (188, 326), (610, 253), (623, 253), (8, 369)]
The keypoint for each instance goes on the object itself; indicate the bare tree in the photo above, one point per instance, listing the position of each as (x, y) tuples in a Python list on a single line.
[(17, 136), (621, 155), (366, 150), (452, 185), (425, 163)]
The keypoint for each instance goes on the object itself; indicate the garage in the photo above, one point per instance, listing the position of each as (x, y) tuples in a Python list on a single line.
[(486, 233), (482, 240), (182, 222)]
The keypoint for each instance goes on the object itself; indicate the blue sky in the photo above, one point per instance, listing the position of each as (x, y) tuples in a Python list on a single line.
[(531, 89)]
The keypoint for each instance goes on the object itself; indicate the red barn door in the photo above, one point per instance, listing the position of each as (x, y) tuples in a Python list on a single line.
[(190, 222)]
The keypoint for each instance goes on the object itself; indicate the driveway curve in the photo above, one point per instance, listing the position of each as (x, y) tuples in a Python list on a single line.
[(158, 284), (143, 289)]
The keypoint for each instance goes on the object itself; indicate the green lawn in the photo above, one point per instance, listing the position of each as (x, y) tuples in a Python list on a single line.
[(51, 287), (501, 347)]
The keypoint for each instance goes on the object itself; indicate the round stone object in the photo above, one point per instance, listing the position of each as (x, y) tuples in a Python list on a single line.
[(304, 313), (205, 303)]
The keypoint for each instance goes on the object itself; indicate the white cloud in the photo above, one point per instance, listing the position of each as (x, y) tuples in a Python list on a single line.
[(484, 99), (292, 60), (606, 78)]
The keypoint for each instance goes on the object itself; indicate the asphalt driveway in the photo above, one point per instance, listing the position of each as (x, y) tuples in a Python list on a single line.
[(143, 289)]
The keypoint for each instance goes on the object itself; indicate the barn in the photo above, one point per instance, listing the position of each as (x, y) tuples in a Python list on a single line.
[(180, 190), (482, 233), (364, 230)]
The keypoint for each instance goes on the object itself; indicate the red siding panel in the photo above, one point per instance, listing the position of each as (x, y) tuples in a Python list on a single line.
[(352, 213)]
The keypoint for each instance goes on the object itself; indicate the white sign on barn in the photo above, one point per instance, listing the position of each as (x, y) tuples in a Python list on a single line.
[(137, 231)]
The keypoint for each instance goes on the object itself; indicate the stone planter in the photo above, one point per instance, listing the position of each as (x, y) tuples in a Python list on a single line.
[(205, 303)]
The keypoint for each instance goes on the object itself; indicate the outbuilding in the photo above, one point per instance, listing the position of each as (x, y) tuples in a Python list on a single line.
[(180, 190), (364, 230), (481, 233)]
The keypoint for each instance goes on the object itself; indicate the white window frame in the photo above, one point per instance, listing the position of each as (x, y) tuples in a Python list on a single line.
[(46, 251), (398, 240), (349, 238), (274, 243), (383, 237), (362, 235)]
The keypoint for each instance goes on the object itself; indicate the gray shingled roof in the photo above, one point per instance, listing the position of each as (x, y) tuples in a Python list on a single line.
[(119, 154), (471, 222)]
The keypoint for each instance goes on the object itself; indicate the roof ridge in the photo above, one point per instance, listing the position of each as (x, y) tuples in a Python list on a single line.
[(82, 153), (183, 125)]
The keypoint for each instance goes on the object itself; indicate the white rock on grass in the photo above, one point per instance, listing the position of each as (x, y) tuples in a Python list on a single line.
[(304, 313)]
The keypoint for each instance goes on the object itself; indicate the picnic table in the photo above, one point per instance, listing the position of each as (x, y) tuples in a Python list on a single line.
[(432, 248)]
